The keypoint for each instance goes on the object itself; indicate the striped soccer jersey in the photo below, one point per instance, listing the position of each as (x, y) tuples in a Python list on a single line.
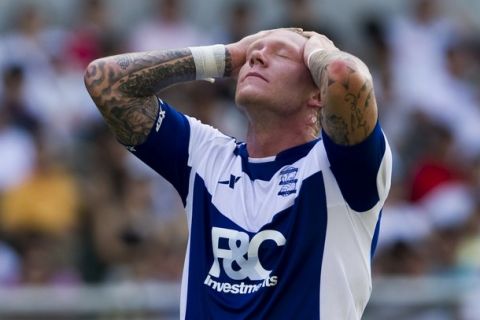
[(284, 237)]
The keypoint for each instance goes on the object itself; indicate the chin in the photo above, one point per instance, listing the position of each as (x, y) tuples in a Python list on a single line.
[(247, 96)]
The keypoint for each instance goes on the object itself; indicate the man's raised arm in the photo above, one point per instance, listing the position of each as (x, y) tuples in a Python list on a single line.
[(124, 87), (349, 110)]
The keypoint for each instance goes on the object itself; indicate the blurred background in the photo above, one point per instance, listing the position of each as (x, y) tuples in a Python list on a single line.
[(88, 232)]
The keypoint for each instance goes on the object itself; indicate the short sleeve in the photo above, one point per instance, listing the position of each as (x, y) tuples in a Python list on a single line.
[(363, 170), (166, 148)]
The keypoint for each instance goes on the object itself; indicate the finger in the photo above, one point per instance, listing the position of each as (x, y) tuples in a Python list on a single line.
[(313, 34), (294, 29), (310, 34)]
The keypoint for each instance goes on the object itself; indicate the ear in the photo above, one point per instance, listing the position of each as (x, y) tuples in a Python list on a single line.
[(314, 101)]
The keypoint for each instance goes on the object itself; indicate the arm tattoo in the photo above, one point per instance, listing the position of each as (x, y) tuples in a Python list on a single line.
[(337, 128), (228, 63), (357, 119), (132, 120), (346, 82), (124, 88), (349, 110), (124, 61)]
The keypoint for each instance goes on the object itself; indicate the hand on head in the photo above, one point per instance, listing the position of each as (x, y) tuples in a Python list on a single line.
[(316, 42), (239, 49)]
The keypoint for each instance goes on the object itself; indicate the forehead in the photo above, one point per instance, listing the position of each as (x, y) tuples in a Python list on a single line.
[(289, 38)]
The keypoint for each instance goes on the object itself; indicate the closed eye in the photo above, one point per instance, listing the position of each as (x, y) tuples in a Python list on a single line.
[(283, 52), (281, 55)]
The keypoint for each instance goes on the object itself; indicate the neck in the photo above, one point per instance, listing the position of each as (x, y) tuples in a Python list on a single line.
[(264, 140)]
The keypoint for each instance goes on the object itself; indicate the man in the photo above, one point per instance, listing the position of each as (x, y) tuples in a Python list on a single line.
[(284, 225)]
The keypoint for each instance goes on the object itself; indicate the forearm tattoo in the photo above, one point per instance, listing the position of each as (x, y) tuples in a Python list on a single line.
[(124, 88), (349, 110), (228, 63)]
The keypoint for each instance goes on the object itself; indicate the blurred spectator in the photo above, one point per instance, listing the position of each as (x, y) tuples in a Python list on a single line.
[(239, 21), (45, 202), (167, 206), (26, 44), (62, 103), (90, 33), (131, 220), (44, 261), (402, 221), (123, 228), (59, 96), (428, 61), (39, 215), (468, 254), (16, 164), (436, 163), (9, 265), (303, 14), (403, 258), (207, 106), (405, 227), (378, 58), (44, 88), (419, 42), (462, 96), (14, 102), (168, 28)]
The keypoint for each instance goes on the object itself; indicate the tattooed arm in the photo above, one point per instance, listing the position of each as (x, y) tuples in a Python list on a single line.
[(349, 111), (124, 87)]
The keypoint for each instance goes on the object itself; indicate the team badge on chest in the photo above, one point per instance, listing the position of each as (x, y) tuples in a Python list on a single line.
[(288, 181)]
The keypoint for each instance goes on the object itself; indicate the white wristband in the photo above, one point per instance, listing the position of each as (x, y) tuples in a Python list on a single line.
[(310, 57), (209, 61)]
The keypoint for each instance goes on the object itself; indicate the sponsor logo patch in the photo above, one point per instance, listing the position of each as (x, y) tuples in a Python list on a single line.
[(239, 260)]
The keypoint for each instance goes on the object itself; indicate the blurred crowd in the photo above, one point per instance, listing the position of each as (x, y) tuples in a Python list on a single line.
[(76, 207)]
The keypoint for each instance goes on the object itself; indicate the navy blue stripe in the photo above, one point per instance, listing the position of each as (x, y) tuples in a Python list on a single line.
[(298, 296), (297, 264), (356, 167), (373, 247)]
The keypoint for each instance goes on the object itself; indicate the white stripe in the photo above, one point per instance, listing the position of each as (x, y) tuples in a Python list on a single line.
[(188, 209), (261, 160), (346, 267), (258, 201), (384, 176)]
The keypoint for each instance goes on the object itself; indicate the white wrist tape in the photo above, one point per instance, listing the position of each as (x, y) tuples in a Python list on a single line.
[(209, 61)]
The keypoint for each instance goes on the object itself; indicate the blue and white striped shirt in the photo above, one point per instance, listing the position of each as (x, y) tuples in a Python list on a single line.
[(284, 237)]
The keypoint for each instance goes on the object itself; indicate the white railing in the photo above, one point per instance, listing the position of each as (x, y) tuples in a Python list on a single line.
[(433, 298), (84, 302), (393, 298)]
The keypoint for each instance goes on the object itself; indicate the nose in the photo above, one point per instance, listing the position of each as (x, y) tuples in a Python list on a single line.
[(257, 57)]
